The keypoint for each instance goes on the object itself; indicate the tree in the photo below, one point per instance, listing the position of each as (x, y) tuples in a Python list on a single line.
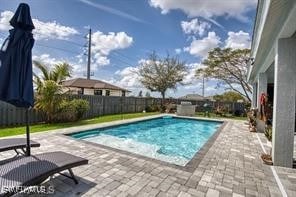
[(229, 96), (159, 75), (59, 73), (140, 94), (49, 88), (229, 66)]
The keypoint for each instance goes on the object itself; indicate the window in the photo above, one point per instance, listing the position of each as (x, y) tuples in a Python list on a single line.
[(123, 93), (107, 92), (98, 92), (81, 91)]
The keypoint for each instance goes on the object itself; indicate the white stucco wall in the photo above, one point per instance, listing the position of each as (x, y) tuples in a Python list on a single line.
[(91, 91)]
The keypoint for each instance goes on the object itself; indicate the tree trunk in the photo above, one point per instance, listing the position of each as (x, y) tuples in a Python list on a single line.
[(162, 102)]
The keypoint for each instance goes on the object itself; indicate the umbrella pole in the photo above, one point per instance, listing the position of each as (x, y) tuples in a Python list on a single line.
[(28, 149)]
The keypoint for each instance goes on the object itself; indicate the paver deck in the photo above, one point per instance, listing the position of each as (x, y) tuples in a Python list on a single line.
[(231, 167)]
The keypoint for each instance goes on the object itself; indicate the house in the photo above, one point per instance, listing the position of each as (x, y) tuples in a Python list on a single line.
[(272, 72), (93, 87), (196, 97)]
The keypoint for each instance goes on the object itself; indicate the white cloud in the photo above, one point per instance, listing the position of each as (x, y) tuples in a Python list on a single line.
[(77, 69), (238, 40), (128, 77), (52, 30), (111, 41), (103, 44), (207, 9), (45, 59), (200, 48), (178, 51), (101, 60), (81, 58), (195, 27), (43, 30), (5, 17), (190, 77)]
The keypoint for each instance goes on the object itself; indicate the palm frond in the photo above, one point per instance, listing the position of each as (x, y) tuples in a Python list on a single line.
[(43, 69)]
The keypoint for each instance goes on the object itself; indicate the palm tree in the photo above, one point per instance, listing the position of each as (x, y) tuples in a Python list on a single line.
[(48, 86)]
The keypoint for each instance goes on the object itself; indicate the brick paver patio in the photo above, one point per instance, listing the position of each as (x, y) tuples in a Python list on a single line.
[(231, 167)]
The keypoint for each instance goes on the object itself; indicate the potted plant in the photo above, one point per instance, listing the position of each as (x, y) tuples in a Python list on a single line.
[(268, 132), (267, 159), (252, 117)]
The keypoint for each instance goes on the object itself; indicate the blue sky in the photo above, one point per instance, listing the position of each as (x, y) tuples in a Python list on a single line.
[(126, 31)]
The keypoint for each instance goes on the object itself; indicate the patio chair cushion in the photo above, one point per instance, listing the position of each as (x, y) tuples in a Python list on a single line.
[(33, 170), (15, 143)]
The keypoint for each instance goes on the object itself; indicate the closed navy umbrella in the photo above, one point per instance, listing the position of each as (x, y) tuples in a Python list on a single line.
[(16, 78)]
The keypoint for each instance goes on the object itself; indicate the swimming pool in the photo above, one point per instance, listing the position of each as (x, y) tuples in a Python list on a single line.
[(170, 139)]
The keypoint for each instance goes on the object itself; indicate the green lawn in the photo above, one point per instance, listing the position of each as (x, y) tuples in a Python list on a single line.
[(228, 116), (45, 127)]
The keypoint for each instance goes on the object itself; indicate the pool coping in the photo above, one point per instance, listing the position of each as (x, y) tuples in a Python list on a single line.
[(189, 167)]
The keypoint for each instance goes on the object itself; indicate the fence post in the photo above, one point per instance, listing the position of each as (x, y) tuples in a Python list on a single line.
[(103, 103), (135, 104)]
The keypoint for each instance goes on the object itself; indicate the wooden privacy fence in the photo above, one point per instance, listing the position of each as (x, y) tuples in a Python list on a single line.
[(13, 116), (102, 105)]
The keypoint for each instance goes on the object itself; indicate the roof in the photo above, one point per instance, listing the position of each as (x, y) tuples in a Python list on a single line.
[(274, 19), (193, 97), (91, 84)]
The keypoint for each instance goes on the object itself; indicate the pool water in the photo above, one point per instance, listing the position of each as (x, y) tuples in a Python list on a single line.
[(170, 139)]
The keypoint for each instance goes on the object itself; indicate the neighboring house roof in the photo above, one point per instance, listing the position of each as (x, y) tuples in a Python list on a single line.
[(210, 98), (91, 84), (193, 97)]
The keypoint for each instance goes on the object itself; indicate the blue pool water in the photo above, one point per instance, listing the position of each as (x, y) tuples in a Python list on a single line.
[(171, 139)]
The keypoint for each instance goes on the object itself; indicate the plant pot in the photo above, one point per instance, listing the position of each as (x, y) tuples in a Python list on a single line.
[(253, 129), (266, 159)]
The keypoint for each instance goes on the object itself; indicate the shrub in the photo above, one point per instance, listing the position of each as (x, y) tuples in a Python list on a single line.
[(252, 116), (170, 107), (237, 113), (152, 108), (268, 132), (81, 106), (71, 110), (66, 112)]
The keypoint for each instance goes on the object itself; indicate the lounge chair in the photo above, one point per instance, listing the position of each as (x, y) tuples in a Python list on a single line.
[(16, 144), (33, 170)]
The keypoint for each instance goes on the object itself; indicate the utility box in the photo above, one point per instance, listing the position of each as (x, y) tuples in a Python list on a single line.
[(185, 109)]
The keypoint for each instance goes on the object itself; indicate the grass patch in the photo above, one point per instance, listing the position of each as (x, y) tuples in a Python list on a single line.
[(228, 116), (45, 127)]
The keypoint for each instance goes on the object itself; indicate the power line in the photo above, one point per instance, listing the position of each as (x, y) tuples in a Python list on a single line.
[(57, 48), (52, 47), (123, 55), (80, 45), (88, 45), (64, 40), (122, 61), (76, 53)]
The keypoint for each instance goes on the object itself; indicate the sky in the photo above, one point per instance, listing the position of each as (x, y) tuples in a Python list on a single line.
[(125, 32)]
